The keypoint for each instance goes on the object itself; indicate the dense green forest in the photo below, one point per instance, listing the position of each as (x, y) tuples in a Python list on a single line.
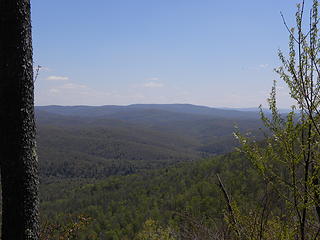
[(100, 141), (158, 178), (119, 205), (134, 166)]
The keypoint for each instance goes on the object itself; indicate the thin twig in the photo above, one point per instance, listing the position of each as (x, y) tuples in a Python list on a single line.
[(286, 25), (37, 73), (228, 201)]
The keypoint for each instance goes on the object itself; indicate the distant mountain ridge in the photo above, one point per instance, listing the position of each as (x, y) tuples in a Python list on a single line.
[(109, 110)]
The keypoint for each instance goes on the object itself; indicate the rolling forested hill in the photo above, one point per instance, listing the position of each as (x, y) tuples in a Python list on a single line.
[(174, 196), (95, 142), (121, 166), (111, 110)]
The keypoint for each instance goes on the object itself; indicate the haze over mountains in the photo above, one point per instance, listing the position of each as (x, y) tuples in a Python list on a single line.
[(111, 110), (90, 141)]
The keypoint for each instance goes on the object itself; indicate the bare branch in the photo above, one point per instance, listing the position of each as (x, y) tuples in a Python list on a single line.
[(286, 25)]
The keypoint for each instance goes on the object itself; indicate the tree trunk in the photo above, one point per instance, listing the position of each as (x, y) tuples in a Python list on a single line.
[(18, 159)]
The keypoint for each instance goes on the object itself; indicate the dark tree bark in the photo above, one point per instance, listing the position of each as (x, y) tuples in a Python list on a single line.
[(18, 159)]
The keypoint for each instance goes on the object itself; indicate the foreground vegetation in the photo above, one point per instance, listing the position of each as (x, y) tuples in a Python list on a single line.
[(171, 197)]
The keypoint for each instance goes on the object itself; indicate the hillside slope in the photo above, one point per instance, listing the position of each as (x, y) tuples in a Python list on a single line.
[(84, 141), (120, 205)]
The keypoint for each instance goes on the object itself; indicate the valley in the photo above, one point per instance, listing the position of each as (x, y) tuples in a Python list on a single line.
[(96, 142), (121, 166)]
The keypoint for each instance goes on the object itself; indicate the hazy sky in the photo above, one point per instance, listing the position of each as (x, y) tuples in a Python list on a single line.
[(206, 52)]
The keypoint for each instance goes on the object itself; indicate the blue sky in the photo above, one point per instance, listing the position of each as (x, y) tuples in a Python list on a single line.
[(205, 52)]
